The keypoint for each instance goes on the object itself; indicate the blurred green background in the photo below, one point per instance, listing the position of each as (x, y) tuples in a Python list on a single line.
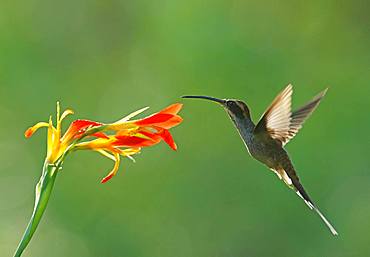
[(105, 59)]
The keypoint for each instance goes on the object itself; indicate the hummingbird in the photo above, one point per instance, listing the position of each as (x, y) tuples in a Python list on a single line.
[(265, 140)]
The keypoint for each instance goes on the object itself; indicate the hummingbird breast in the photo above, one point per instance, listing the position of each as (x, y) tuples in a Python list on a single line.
[(268, 152)]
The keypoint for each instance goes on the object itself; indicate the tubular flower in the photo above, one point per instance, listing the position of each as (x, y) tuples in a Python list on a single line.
[(124, 137), (135, 134)]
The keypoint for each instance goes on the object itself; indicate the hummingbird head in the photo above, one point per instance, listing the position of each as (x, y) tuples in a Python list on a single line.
[(235, 108)]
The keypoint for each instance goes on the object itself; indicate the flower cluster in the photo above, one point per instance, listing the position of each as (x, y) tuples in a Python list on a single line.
[(124, 138)]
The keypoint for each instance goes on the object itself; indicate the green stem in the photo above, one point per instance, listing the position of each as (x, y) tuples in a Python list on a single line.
[(43, 190), (42, 194)]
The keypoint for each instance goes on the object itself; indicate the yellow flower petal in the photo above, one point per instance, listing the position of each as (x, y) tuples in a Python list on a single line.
[(53, 142), (106, 154), (129, 152), (131, 115), (114, 170), (58, 111), (96, 144), (139, 135), (29, 132), (65, 114)]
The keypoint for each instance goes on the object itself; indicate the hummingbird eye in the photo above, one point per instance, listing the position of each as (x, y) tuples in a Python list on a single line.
[(231, 104)]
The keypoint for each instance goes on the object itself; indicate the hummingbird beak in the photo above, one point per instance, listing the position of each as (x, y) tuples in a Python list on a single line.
[(217, 100)]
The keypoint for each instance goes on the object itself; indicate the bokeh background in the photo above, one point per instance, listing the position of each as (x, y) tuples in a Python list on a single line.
[(105, 59)]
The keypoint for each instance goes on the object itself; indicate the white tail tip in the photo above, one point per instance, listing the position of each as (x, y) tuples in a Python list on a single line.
[(313, 207), (332, 229)]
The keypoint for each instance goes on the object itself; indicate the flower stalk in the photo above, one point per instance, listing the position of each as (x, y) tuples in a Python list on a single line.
[(42, 194)]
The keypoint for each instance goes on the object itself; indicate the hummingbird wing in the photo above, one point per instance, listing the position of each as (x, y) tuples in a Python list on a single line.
[(300, 116), (279, 122)]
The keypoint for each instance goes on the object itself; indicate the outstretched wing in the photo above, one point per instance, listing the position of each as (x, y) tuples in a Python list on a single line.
[(279, 122)]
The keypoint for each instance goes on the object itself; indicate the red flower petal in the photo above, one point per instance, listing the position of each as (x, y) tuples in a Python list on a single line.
[(167, 137), (174, 121), (100, 135), (108, 177), (132, 141), (78, 127), (166, 118), (172, 109), (162, 120), (151, 135), (154, 119), (81, 124)]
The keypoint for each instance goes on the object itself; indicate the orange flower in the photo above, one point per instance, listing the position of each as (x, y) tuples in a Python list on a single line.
[(131, 136), (121, 138)]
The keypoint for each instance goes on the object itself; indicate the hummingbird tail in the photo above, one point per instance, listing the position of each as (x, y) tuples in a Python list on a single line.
[(327, 223), (298, 188), (312, 206)]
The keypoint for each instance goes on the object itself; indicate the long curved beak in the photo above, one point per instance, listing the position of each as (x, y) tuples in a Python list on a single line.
[(217, 100)]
